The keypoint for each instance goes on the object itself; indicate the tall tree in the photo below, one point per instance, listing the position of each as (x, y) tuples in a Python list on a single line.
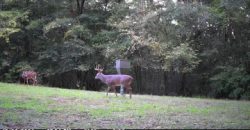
[(80, 6)]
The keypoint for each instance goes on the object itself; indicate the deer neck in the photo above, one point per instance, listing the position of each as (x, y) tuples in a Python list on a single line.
[(103, 78)]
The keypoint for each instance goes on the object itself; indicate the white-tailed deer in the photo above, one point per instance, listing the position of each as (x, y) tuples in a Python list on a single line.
[(115, 80), (29, 75)]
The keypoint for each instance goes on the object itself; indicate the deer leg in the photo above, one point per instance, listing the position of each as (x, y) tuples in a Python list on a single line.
[(114, 90), (130, 92), (127, 90), (27, 81), (108, 90), (33, 82), (35, 79)]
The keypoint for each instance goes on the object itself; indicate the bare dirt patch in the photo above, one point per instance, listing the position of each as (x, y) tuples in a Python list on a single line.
[(2, 111)]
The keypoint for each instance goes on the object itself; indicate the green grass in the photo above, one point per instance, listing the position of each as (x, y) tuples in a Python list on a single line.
[(42, 100), (10, 117), (197, 110), (98, 112), (33, 104), (42, 91)]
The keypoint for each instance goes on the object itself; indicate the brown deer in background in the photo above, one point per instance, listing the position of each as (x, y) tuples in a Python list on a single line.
[(29, 76)]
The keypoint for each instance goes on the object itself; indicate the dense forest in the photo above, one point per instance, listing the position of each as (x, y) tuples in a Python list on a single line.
[(179, 47)]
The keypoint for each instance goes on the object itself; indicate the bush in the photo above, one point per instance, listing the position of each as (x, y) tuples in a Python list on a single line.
[(78, 31), (246, 96), (15, 71), (230, 83)]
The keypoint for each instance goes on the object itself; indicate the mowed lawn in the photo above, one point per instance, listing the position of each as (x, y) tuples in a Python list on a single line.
[(23, 106)]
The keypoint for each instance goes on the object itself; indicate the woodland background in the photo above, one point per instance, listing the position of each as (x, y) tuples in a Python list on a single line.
[(183, 47)]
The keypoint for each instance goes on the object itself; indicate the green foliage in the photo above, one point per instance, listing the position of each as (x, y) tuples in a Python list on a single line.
[(92, 18), (58, 23), (246, 95), (14, 19), (67, 56), (78, 32), (118, 13), (182, 59), (112, 44), (6, 32), (35, 24), (15, 71), (104, 37), (231, 82), (55, 30), (6, 15), (11, 22)]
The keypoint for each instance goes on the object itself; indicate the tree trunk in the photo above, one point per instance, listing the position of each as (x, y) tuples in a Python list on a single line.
[(138, 78), (183, 82), (27, 2), (165, 82), (80, 6), (105, 4)]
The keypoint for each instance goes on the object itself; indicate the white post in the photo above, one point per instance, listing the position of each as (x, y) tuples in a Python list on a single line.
[(119, 65)]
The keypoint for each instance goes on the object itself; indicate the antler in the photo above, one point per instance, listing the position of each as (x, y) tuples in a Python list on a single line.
[(97, 68)]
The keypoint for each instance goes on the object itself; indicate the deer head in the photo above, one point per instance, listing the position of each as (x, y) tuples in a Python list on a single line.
[(98, 69), (99, 75)]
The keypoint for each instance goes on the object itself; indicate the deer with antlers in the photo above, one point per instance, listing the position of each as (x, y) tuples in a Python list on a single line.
[(115, 80)]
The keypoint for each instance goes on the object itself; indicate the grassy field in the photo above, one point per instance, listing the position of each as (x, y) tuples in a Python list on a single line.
[(23, 106)]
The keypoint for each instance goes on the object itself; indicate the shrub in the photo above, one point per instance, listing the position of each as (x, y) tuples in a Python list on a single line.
[(230, 83), (15, 71)]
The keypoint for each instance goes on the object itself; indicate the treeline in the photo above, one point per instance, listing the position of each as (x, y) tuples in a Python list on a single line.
[(189, 48)]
